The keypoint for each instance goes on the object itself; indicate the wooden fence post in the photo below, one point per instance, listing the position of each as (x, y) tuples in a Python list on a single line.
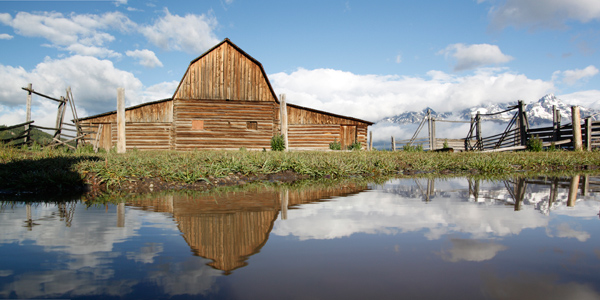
[(429, 129), (478, 131), (393, 144), (522, 123), (284, 120), (370, 140), (577, 145), (121, 142), (28, 116), (588, 134)]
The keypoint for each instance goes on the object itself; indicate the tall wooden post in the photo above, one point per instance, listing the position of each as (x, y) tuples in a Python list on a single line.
[(522, 123), (577, 144), (478, 131), (393, 144), (121, 143), (430, 129), (28, 115), (284, 120), (588, 134), (370, 140)]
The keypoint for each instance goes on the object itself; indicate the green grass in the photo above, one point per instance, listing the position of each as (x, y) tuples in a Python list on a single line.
[(55, 170)]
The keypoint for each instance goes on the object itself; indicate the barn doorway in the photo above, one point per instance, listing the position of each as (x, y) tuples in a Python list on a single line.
[(347, 135)]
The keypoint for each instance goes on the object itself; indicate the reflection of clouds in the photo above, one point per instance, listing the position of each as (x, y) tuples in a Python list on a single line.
[(564, 230), (193, 277), (471, 250), (536, 286), (376, 211), (146, 254), (88, 250)]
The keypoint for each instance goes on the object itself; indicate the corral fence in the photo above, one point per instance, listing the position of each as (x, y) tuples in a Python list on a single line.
[(515, 136), (63, 133)]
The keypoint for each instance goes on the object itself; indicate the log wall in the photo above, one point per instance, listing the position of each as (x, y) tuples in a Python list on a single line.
[(145, 136), (225, 124)]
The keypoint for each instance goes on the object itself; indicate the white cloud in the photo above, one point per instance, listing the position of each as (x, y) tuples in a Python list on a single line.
[(192, 33), (536, 14), (473, 56), (373, 97), (93, 81), (398, 58), (145, 57), (5, 36), (82, 34), (590, 98), (571, 77)]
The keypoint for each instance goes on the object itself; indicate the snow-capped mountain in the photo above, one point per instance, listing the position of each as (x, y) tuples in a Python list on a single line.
[(539, 112)]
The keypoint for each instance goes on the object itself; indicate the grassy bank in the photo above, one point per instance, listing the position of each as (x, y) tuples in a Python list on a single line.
[(58, 170)]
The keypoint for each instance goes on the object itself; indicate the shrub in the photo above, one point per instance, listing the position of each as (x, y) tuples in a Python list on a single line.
[(445, 146), (278, 142), (535, 144), (335, 145), (354, 146), (416, 148)]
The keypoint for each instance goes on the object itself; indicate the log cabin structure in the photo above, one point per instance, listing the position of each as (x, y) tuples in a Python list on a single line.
[(225, 101)]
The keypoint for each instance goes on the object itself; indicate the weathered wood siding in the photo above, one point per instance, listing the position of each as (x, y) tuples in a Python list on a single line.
[(311, 136), (155, 112), (314, 130), (145, 136), (225, 73), (225, 124)]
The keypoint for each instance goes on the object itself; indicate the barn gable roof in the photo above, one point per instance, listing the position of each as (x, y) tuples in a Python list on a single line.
[(232, 74)]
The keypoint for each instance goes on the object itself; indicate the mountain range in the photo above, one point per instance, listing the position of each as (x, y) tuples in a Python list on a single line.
[(539, 112)]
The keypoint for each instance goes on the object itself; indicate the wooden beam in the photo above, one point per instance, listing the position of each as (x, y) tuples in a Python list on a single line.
[(42, 95), (121, 143), (577, 144)]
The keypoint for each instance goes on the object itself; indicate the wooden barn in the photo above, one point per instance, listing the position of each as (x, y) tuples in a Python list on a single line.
[(225, 101)]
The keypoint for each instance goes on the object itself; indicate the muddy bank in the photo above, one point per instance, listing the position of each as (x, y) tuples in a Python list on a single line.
[(147, 185)]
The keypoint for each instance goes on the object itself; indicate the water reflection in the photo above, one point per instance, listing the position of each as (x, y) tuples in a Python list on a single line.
[(229, 227), (471, 239)]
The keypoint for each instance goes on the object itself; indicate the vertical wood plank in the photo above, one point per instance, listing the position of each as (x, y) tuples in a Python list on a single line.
[(121, 143), (577, 145)]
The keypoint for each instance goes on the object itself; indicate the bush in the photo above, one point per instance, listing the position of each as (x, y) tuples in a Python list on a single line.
[(354, 146), (535, 144), (416, 148), (278, 142), (335, 145), (445, 145)]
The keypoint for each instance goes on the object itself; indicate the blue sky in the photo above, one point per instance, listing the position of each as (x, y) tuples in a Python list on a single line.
[(366, 59)]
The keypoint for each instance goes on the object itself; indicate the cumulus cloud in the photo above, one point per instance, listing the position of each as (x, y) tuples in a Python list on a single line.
[(473, 56), (373, 97), (191, 33), (145, 57), (571, 77), (589, 98), (80, 33), (534, 14), (91, 81), (5, 36)]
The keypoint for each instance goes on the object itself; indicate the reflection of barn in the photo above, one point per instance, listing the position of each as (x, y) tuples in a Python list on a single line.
[(224, 101), (228, 228)]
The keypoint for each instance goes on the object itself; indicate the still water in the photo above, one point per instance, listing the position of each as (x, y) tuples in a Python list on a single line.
[(458, 238)]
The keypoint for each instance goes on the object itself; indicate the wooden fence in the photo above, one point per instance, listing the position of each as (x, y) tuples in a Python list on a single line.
[(516, 134)]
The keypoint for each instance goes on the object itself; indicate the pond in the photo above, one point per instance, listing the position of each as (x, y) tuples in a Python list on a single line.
[(457, 238)]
